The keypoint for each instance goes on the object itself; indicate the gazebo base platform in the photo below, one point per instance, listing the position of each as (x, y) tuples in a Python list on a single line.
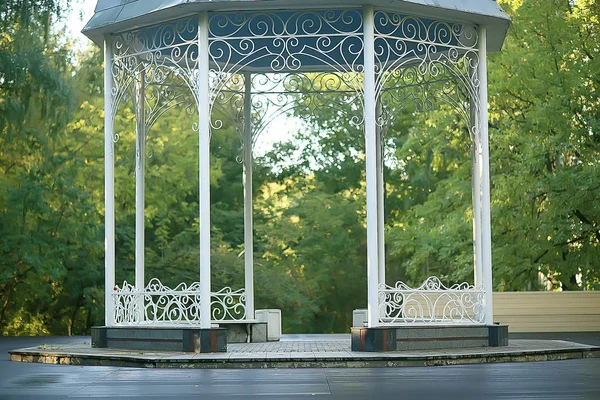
[(185, 339), (393, 338)]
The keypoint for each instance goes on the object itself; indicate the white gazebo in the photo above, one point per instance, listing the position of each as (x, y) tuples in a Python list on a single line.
[(251, 60)]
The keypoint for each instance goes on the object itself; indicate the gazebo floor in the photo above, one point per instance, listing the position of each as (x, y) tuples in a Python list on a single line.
[(304, 351)]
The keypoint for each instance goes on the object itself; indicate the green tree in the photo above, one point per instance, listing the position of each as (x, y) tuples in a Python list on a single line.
[(44, 239), (545, 146), (316, 240)]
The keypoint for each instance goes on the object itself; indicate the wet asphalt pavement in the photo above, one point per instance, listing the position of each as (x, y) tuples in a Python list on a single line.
[(570, 379)]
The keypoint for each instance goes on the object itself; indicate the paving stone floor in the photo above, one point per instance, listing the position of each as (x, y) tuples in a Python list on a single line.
[(291, 347)]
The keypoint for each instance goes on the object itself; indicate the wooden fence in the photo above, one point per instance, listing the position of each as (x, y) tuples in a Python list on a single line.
[(548, 311)]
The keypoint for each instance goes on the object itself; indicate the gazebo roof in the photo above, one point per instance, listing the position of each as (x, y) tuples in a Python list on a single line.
[(118, 15)]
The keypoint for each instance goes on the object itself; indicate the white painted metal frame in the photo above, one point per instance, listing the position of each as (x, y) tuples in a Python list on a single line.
[(204, 127), (484, 173), (380, 195), (248, 203), (255, 70), (371, 151), (140, 168), (109, 183)]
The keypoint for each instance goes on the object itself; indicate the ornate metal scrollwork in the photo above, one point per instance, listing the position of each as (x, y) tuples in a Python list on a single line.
[(279, 94), (278, 48), (286, 41), (157, 304), (228, 305), (418, 61), (425, 62), (431, 303), (168, 54)]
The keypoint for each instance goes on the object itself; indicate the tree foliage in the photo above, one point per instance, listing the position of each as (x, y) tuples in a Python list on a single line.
[(545, 122), (48, 226)]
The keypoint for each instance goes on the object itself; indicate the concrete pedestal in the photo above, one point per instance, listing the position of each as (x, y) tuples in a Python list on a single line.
[(273, 319), (185, 339), (428, 337), (359, 318)]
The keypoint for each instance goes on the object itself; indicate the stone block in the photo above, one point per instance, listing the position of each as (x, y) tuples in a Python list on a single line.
[(418, 332), (475, 343), (440, 337), (144, 344), (99, 336), (212, 340), (359, 318), (373, 339), (159, 339), (435, 344), (116, 333), (403, 333), (258, 332), (236, 333), (273, 319), (498, 335)]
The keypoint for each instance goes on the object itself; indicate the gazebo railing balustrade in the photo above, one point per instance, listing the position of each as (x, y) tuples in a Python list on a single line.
[(160, 305), (432, 303)]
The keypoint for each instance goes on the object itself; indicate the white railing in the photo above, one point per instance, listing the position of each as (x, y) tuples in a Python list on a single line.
[(228, 305), (158, 304), (432, 303)]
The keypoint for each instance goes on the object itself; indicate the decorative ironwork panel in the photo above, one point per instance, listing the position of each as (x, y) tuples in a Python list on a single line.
[(157, 304), (228, 102), (168, 53), (163, 97), (305, 93), (279, 49), (228, 305), (286, 41), (418, 60), (425, 62), (431, 303), (279, 94)]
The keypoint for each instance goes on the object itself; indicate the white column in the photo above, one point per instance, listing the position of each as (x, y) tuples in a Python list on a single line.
[(371, 168), (380, 198), (109, 186), (248, 223), (486, 223), (476, 183), (204, 170), (140, 165)]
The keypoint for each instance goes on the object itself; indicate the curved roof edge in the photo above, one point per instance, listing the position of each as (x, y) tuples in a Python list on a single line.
[(118, 15)]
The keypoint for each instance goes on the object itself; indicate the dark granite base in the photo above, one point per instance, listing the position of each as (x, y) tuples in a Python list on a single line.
[(428, 337), (194, 340), (373, 339), (498, 335)]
